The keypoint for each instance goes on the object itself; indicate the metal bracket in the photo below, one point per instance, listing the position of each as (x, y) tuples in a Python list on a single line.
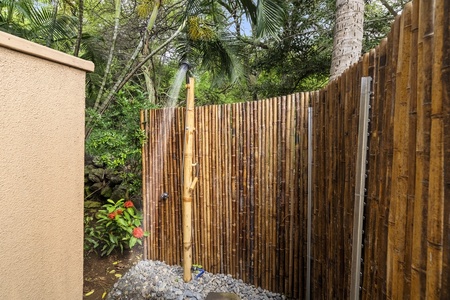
[(358, 213), (308, 245)]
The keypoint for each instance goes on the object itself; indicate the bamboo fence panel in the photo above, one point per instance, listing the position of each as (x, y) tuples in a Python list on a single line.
[(250, 202), (238, 227)]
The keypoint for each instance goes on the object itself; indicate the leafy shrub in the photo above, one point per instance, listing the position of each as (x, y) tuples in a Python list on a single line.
[(117, 226), (116, 139)]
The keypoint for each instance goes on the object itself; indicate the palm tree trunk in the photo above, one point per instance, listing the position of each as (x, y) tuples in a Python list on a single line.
[(80, 27), (348, 35)]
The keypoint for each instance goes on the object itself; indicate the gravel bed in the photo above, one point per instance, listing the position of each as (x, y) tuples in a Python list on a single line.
[(156, 280)]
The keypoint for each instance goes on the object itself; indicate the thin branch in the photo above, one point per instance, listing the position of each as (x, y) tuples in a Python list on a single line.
[(124, 79), (138, 66), (111, 53), (389, 7)]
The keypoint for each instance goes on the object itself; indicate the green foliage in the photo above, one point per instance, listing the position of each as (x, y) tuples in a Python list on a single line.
[(117, 226), (313, 82), (36, 21), (377, 23), (286, 48), (304, 52), (205, 94), (117, 137)]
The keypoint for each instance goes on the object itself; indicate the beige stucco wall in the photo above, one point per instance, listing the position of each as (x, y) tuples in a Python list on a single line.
[(41, 171)]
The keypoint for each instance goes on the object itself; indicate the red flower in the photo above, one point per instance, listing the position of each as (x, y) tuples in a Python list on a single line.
[(128, 204), (112, 215), (138, 232), (119, 211)]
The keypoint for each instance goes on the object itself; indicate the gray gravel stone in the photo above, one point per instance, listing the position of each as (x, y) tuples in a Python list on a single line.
[(156, 280)]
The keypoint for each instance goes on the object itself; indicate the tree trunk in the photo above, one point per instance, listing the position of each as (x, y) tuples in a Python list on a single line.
[(348, 35), (80, 28), (125, 76), (111, 53), (150, 86)]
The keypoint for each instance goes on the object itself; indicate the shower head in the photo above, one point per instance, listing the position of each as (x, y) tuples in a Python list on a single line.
[(186, 64)]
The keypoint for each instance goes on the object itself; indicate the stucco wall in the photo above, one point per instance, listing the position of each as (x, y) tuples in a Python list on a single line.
[(41, 171)]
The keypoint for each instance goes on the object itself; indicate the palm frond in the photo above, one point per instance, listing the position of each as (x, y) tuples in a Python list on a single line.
[(63, 29), (221, 60), (250, 9), (271, 15)]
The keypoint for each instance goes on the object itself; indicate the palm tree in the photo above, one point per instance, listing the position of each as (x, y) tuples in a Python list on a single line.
[(205, 38), (38, 22), (348, 35)]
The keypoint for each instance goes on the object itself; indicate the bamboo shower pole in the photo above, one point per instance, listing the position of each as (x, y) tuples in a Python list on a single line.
[(188, 181)]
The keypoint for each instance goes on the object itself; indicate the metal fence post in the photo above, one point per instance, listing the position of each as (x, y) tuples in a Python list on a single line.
[(360, 188), (308, 246)]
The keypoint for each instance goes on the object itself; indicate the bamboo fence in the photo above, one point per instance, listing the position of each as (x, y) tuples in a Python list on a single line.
[(250, 202), (248, 215)]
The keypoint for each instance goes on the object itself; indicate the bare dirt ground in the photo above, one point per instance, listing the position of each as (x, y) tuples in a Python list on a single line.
[(100, 273)]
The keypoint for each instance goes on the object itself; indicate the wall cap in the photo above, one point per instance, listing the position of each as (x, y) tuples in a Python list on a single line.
[(21, 45)]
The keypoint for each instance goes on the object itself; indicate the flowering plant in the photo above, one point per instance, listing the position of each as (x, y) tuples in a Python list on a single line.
[(118, 225)]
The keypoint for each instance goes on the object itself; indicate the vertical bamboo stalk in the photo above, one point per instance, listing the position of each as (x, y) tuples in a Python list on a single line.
[(257, 192), (188, 182), (372, 207), (290, 168), (250, 193), (400, 160), (423, 12), (381, 244), (348, 158), (272, 209), (228, 192), (144, 169), (264, 188), (412, 95), (386, 83), (234, 188), (215, 239), (152, 167), (208, 189), (442, 9), (297, 184), (436, 192), (340, 164), (390, 95), (200, 231), (143, 126)]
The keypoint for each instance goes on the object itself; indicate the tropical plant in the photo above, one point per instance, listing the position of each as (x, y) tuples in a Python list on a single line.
[(203, 33), (117, 138), (39, 22), (117, 226), (303, 52), (348, 35)]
